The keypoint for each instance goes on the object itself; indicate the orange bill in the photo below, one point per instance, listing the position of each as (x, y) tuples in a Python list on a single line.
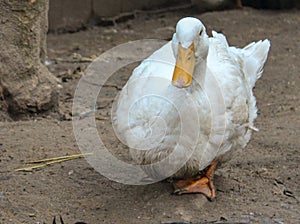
[(184, 68)]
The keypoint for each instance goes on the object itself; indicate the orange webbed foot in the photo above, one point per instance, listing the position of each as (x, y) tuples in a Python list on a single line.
[(202, 185)]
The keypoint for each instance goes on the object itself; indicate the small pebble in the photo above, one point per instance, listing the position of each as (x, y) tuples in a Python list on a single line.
[(280, 221)]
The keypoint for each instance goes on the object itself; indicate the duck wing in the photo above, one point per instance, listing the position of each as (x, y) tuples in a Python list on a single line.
[(236, 71)]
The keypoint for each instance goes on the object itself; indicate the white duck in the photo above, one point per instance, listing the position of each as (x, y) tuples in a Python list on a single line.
[(190, 106)]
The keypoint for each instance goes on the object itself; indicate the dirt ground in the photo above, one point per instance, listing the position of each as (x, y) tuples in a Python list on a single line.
[(259, 186)]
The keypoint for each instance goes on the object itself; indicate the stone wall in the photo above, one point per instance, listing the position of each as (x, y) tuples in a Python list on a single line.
[(71, 15)]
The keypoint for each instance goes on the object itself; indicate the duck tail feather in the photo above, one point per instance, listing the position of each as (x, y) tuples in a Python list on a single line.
[(255, 55)]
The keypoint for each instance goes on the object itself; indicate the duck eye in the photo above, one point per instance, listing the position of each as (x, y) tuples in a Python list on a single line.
[(201, 32)]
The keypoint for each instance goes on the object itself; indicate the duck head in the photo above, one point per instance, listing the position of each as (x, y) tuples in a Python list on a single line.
[(190, 46)]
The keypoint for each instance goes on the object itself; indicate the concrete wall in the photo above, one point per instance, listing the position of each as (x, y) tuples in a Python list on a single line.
[(71, 15), (68, 14)]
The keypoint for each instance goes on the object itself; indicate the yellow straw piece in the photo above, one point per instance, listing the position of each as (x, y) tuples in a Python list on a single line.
[(50, 161), (60, 158)]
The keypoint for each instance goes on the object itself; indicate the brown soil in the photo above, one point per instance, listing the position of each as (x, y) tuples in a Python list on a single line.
[(259, 186)]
